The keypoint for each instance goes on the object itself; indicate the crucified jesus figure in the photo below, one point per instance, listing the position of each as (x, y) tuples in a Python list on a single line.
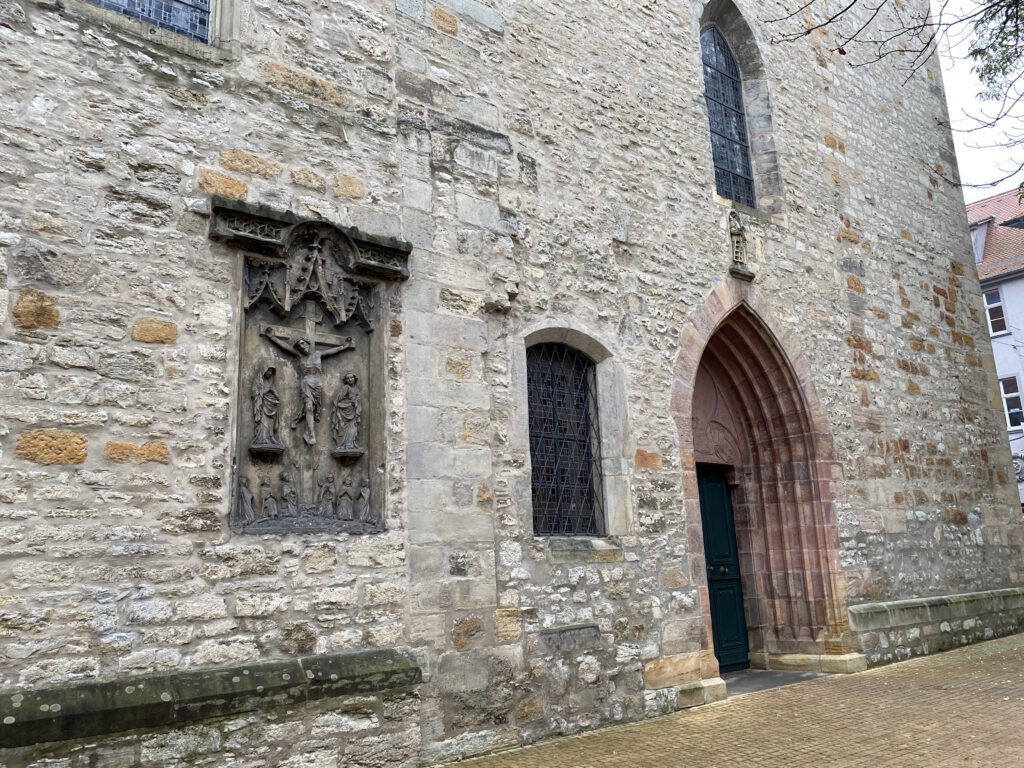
[(310, 361)]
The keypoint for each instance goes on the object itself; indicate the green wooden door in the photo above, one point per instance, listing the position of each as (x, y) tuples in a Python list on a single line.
[(728, 624)]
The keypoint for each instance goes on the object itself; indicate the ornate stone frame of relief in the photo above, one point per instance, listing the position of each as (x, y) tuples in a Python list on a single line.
[(310, 442)]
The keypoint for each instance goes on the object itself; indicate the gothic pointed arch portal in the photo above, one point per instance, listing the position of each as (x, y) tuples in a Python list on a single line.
[(746, 410)]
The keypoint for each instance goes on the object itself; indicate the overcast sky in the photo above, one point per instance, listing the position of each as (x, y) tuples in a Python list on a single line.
[(978, 162)]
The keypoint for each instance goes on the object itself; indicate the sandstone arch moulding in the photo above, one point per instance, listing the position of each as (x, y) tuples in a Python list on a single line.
[(743, 397), (757, 102)]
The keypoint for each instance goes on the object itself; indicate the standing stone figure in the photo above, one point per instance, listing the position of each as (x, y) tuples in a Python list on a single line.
[(310, 361), (289, 495), (265, 412), (345, 500), (268, 502), (245, 502), (347, 413), (363, 502), (327, 493)]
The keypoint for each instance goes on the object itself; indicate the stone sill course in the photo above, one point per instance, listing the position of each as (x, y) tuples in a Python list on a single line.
[(36, 716)]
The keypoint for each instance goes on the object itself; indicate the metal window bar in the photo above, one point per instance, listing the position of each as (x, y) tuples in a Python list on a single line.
[(189, 18), (564, 442), (723, 91)]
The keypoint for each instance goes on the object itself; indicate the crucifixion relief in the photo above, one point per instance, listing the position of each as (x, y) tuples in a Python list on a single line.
[(306, 348), (312, 297)]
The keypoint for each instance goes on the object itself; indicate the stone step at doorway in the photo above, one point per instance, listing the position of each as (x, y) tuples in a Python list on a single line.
[(754, 680)]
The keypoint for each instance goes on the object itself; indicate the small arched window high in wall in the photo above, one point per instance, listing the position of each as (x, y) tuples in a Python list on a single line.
[(730, 143), (564, 442)]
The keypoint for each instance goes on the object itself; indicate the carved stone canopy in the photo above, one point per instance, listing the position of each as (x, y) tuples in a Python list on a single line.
[(267, 231), (310, 448)]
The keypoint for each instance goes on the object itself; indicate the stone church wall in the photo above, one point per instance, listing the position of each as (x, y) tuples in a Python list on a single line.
[(547, 165)]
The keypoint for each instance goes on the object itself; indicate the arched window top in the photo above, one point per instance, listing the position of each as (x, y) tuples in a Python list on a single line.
[(730, 144)]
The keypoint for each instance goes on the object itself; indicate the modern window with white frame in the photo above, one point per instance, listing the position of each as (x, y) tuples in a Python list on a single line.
[(995, 312), (1011, 402)]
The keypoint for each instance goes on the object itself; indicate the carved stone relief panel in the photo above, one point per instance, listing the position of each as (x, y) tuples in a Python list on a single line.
[(311, 405), (717, 433)]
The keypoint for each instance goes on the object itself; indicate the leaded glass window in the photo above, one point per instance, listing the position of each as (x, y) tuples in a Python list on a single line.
[(190, 18), (723, 91), (564, 442)]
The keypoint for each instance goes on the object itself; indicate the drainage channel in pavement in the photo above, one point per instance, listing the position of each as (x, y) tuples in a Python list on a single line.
[(754, 680)]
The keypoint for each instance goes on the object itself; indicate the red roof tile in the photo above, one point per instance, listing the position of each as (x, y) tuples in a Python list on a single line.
[(1004, 246)]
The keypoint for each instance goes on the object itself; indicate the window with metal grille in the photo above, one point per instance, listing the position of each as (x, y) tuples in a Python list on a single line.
[(723, 91), (190, 18), (564, 442)]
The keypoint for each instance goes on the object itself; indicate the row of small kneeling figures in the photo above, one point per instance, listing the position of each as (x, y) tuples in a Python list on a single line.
[(348, 503)]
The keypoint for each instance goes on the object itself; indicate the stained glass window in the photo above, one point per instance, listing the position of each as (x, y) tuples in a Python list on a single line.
[(190, 18), (723, 91), (564, 440)]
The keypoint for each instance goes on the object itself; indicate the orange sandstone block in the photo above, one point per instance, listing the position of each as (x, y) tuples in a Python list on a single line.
[(130, 453), (149, 330), (648, 460), (52, 446), (35, 309)]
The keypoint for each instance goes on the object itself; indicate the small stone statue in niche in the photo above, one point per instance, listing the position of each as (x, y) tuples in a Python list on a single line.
[(246, 502), (266, 407), (345, 418), (289, 496), (327, 493), (268, 502), (310, 361), (363, 513), (345, 500)]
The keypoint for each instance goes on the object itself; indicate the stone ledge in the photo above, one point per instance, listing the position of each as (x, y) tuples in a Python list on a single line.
[(897, 613), (699, 693), (836, 664), (91, 709), (900, 629), (583, 549)]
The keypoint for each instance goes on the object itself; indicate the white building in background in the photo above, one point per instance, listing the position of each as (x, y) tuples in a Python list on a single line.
[(997, 233)]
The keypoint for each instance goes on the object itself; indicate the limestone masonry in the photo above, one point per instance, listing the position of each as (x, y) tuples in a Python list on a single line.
[(265, 455)]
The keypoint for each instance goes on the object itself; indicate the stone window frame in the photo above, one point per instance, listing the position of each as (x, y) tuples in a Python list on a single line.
[(1008, 397), (769, 195), (990, 306), (612, 420), (225, 28)]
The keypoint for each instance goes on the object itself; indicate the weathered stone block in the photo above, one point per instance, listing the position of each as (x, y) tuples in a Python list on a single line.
[(240, 161), (301, 84), (150, 330), (215, 183), (35, 309), (52, 446), (348, 186), (304, 177), (445, 22), (131, 453), (578, 637), (669, 671)]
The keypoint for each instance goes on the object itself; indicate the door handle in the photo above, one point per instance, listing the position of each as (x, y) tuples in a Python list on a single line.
[(723, 570)]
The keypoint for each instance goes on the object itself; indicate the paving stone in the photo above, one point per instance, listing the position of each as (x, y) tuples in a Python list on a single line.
[(892, 716)]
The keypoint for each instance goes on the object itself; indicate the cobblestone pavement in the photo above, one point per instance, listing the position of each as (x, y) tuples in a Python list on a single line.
[(961, 708)]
